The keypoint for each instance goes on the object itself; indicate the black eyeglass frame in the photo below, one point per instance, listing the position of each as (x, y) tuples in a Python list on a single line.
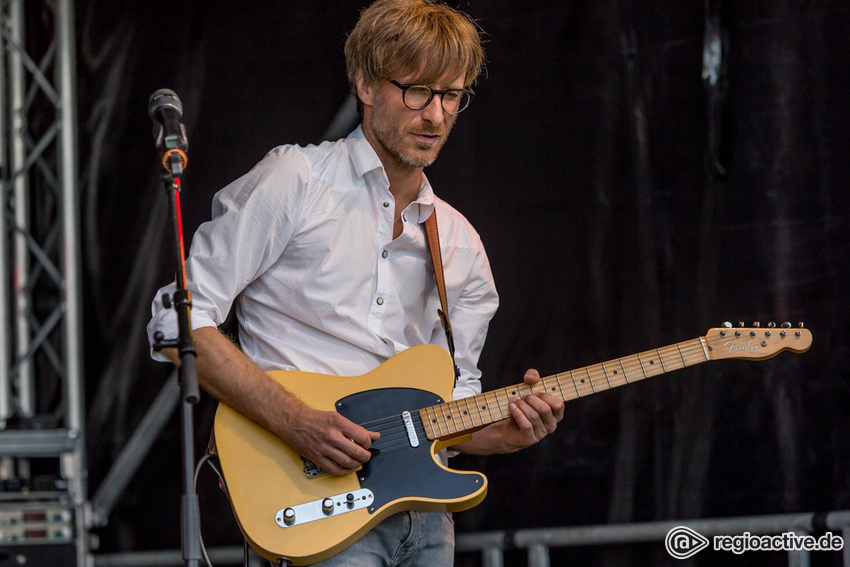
[(404, 88)]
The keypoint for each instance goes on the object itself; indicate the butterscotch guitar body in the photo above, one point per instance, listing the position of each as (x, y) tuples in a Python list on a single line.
[(288, 512)]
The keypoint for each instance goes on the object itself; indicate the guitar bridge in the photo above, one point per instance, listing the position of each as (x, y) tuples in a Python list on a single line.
[(312, 470)]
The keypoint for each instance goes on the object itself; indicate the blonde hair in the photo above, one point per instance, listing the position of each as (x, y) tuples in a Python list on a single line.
[(402, 36)]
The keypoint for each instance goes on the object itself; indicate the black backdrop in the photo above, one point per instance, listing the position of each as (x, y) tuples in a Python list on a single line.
[(626, 203)]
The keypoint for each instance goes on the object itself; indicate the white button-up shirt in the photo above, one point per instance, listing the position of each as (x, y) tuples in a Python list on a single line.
[(302, 247)]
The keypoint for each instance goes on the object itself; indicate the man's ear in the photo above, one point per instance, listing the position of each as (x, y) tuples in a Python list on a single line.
[(364, 89)]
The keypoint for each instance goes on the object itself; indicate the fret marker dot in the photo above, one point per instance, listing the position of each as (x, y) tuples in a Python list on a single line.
[(615, 372), (582, 380)]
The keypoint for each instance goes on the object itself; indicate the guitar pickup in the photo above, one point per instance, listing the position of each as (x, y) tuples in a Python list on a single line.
[(412, 438), (312, 470)]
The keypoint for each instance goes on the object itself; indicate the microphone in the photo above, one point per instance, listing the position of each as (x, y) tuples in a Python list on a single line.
[(165, 109)]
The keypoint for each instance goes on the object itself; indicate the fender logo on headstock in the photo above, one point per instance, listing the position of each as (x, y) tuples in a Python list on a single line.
[(747, 347)]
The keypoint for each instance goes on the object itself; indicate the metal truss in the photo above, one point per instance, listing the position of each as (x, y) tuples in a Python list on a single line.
[(41, 386)]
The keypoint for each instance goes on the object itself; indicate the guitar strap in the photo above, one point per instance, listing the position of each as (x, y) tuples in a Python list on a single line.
[(433, 235)]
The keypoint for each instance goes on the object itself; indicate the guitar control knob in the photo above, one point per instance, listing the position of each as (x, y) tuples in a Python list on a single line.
[(349, 500), (328, 506), (289, 516)]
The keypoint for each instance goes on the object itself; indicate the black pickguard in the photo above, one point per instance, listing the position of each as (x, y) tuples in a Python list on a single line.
[(399, 470)]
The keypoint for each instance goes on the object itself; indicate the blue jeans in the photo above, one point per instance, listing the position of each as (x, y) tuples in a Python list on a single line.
[(406, 539)]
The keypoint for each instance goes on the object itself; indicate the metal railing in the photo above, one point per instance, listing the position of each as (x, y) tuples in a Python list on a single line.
[(538, 542)]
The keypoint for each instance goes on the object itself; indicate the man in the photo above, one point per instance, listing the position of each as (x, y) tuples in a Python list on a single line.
[(322, 252)]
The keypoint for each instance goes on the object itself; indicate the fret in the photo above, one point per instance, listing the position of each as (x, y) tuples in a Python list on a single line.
[(656, 369), (484, 405), (679, 348), (460, 413), (642, 367), (625, 374), (469, 411), (502, 404), (661, 360), (608, 375), (704, 349), (590, 376), (548, 387), (575, 384), (581, 388), (433, 422), (493, 399), (447, 419), (560, 386), (592, 385)]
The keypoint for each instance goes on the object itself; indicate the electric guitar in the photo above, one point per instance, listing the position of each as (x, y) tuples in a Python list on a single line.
[(289, 508)]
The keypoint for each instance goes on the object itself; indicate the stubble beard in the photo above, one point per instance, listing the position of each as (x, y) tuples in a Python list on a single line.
[(392, 142)]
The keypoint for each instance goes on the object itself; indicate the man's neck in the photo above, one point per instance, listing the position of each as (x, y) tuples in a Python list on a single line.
[(405, 180), (404, 183)]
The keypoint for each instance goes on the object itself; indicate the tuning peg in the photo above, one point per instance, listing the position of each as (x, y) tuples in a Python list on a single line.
[(742, 324), (771, 325), (756, 324), (786, 325), (800, 324), (726, 325)]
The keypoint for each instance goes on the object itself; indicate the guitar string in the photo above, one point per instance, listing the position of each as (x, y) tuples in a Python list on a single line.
[(691, 352)]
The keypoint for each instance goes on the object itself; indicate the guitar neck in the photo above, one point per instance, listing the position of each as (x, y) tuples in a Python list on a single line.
[(467, 414)]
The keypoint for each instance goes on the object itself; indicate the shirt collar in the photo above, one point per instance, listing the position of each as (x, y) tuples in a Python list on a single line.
[(364, 159), (363, 156)]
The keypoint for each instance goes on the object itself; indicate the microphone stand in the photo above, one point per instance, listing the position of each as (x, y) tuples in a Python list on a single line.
[(181, 300)]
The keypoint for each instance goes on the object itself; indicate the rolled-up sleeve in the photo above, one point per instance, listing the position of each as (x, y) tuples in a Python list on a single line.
[(252, 220)]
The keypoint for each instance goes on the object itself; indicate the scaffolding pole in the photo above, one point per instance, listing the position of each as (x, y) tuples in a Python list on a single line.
[(42, 445)]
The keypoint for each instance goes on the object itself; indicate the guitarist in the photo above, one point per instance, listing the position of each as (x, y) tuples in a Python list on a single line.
[(321, 251)]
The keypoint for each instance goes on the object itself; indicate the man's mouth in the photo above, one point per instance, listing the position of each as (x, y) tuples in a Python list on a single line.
[(427, 138)]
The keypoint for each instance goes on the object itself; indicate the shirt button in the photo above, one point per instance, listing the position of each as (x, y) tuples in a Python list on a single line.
[(386, 204), (380, 301), (384, 254)]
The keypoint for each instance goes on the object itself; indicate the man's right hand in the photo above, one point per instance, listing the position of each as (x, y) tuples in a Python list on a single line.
[(331, 441)]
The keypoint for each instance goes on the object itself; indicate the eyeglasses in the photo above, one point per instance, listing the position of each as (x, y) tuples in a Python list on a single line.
[(417, 97)]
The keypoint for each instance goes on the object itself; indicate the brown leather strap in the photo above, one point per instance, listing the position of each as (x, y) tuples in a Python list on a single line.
[(437, 260)]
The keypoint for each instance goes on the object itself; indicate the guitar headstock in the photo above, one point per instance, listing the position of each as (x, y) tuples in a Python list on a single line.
[(756, 342)]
